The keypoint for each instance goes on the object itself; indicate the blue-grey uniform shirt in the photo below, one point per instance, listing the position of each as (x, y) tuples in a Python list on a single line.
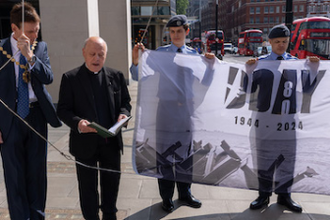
[(273, 56), (167, 48)]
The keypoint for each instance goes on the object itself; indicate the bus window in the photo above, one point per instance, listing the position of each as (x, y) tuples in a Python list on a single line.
[(249, 41), (212, 42), (302, 45), (312, 38)]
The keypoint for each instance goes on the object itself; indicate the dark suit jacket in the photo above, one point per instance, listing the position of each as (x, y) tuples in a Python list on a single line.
[(76, 102), (41, 75)]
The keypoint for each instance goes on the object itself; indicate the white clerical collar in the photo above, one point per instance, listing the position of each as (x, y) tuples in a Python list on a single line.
[(89, 70)]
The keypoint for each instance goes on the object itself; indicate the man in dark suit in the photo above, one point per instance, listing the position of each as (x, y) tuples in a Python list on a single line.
[(89, 93), (24, 154)]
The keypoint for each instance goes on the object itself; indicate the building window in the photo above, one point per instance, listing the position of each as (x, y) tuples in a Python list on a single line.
[(266, 10), (257, 10), (295, 8), (277, 9), (271, 20), (251, 20), (135, 10), (277, 20), (283, 19), (165, 10), (251, 10), (301, 8), (146, 10), (283, 8), (257, 20), (266, 20), (271, 9), (265, 30)]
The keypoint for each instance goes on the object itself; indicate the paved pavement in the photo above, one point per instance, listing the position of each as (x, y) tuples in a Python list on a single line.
[(139, 198)]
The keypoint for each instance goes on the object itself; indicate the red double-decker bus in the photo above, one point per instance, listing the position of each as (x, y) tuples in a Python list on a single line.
[(249, 41), (212, 40), (311, 37)]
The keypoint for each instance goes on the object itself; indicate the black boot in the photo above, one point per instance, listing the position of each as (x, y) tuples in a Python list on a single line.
[(261, 201), (168, 205), (285, 199), (191, 201)]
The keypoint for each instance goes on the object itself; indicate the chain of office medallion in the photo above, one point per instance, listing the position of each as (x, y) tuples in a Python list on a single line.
[(26, 74)]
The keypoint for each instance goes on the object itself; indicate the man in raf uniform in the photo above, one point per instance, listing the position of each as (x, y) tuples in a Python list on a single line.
[(178, 29)]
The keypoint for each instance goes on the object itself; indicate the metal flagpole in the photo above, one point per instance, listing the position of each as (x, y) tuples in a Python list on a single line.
[(22, 16), (216, 27), (289, 18)]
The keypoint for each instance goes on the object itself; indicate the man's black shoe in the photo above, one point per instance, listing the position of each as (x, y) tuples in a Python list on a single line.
[(259, 202), (168, 205), (289, 203), (191, 201)]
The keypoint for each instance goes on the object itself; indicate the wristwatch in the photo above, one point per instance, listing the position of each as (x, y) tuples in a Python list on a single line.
[(33, 59)]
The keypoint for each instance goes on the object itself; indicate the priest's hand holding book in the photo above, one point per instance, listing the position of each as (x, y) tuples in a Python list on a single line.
[(85, 126), (122, 116)]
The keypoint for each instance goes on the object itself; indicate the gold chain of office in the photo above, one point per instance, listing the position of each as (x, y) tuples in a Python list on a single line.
[(26, 74)]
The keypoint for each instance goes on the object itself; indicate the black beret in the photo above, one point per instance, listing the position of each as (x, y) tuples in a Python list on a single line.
[(279, 31), (177, 21)]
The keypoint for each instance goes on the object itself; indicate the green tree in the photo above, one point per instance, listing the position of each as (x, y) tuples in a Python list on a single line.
[(181, 6)]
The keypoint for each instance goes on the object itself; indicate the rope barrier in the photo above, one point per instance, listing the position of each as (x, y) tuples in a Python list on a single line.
[(66, 156), (23, 19)]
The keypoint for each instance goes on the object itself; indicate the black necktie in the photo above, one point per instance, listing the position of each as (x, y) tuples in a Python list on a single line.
[(179, 50), (279, 58)]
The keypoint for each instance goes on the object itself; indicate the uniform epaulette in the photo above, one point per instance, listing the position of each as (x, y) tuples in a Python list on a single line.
[(263, 57), (163, 48), (166, 46), (291, 56), (190, 48)]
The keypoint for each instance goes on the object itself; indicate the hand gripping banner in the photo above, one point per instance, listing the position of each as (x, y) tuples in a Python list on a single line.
[(264, 127)]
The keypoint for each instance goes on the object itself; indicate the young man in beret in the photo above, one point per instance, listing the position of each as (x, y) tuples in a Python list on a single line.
[(268, 150), (178, 29)]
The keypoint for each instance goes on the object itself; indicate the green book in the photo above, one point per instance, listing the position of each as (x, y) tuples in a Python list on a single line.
[(113, 131)]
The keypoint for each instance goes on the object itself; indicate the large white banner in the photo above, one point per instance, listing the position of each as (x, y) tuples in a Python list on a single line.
[(265, 126)]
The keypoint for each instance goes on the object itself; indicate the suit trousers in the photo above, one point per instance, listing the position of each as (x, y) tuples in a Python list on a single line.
[(107, 156), (24, 156)]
